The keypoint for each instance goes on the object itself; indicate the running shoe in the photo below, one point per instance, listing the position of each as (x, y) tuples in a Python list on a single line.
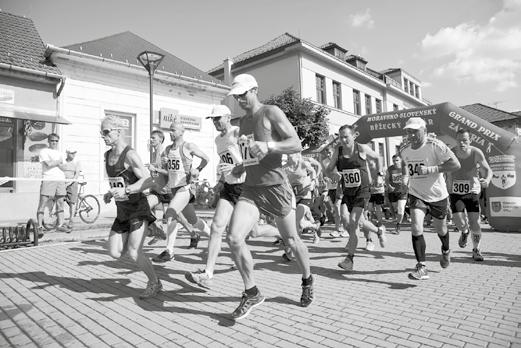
[(154, 240), (347, 264), (246, 305), (316, 237), (370, 245), (200, 278), (420, 273), (151, 290), (381, 236), (344, 233), (397, 229), (163, 257), (462, 241), (194, 240), (277, 241), (476, 255), (63, 228), (445, 258), (335, 234), (307, 296)]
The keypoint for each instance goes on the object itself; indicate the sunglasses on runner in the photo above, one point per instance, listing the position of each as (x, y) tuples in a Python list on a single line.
[(106, 132)]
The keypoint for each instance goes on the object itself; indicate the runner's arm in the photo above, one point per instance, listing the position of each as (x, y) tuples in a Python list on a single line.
[(484, 169), (195, 151), (290, 142), (332, 163)]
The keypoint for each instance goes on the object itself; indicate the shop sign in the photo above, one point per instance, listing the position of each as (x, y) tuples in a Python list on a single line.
[(167, 116)]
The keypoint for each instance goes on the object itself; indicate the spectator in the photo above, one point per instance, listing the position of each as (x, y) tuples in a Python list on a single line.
[(72, 170)]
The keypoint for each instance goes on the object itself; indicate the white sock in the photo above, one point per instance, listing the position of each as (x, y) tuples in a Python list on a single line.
[(202, 226)]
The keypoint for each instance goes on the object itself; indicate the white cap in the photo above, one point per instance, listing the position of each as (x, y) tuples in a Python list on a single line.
[(243, 83), (415, 123), (71, 150), (219, 110)]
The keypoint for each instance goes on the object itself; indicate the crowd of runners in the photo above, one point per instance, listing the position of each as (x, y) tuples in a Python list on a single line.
[(267, 187)]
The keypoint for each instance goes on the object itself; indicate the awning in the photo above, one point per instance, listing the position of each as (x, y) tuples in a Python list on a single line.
[(32, 114)]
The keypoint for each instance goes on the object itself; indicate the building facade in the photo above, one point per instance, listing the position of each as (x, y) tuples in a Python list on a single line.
[(329, 76)]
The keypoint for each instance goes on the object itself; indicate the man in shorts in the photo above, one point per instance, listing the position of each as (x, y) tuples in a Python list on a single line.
[(465, 186), (424, 160), (72, 170), (351, 160), (396, 191), (229, 187), (177, 162), (126, 174), (52, 183), (265, 134)]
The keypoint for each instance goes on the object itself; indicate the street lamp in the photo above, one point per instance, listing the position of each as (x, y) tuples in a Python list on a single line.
[(150, 60)]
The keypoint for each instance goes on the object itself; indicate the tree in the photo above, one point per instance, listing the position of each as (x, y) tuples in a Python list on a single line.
[(308, 118)]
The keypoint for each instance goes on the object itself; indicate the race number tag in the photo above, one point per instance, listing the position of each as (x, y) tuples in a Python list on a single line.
[(414, 168), (247, 158), (226, 157), (396, 178), (351, 178), (461, 186), (118, 182)]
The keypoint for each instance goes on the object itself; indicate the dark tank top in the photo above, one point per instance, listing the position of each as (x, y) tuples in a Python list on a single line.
[(355, 176), (269, 170), (118, 170)]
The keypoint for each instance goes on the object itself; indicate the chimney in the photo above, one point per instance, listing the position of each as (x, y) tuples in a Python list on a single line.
[(228, 62)]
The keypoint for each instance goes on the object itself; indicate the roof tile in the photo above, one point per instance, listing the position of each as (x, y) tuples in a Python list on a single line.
[(488, 113)]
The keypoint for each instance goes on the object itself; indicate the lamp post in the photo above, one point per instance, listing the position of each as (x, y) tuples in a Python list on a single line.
[(150, 60)]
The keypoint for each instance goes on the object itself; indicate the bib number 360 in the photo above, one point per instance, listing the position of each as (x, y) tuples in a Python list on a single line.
[(351, 178)]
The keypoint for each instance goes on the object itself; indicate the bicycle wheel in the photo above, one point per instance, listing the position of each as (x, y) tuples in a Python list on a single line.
[(89, 209), (50, 217)]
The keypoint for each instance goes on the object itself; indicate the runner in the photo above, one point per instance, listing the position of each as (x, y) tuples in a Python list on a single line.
[(377, 199), (177, 161), (397, 192), (465, 186), (334, 192), (351, 160), (266, 134), (424, 159), (126, 175), (230, 188)]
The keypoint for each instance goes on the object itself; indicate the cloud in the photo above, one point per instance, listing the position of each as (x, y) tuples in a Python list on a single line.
[(362, 19), (488, 53)]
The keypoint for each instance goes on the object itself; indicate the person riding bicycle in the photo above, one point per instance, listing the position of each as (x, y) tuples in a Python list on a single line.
[(72, 170)]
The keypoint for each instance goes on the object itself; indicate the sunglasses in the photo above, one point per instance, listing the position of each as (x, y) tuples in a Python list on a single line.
[(53, 141), (106, 132), (240, 96)]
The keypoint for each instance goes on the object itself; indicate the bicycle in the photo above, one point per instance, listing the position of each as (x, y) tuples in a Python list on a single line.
[(88, 208)]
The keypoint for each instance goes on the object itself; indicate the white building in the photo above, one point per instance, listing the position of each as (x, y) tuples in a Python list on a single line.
[(328, 76)]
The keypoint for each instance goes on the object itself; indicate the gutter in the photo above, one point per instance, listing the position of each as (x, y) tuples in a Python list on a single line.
[(31, 71), (50, 49)]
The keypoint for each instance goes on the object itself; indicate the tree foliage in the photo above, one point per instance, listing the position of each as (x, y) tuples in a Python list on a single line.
[(308, 118)]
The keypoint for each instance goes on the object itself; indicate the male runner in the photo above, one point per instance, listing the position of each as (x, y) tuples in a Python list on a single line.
[(266, 134), (424, 159), (465, 185), (230, 188), (351, 160), (397, 192), (126, 175), (177, 162)]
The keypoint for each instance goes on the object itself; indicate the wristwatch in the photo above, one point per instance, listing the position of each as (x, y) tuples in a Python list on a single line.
[(127, 190)]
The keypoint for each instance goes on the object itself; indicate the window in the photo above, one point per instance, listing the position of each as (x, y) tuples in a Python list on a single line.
[(130, 136), (417, 91), (368, 106), (7, 149), (321, 89), (395, 107), (381, 151), (378, 104), (406, 85), (356, 102), (337, 94), (411, 88)]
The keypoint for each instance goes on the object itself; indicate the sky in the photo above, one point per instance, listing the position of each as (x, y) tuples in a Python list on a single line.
[(463, 51)]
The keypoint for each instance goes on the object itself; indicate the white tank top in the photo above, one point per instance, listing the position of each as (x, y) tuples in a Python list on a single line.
[(178, 167), (229, 152)]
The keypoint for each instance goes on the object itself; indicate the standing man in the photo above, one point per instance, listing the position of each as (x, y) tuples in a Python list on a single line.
[(72, 170), (397, 192), (465, 186), (52, 184), (177, 164), (126, 175), (351, 160), (266, 134), (424, 160)]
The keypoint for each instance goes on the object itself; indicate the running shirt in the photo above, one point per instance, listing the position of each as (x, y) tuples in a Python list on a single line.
[(119, 176), (354, 171), (156, 161), (229, 152), (268, 170), (178, 165), (299, 179), (394, 177), (465, 180), (428, 187)]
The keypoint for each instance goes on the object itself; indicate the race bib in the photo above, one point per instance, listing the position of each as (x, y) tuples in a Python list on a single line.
[(226, 157), (118, 182), (351, 177), (396, 178), (247, 158), (414, 168), (461, 186)]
